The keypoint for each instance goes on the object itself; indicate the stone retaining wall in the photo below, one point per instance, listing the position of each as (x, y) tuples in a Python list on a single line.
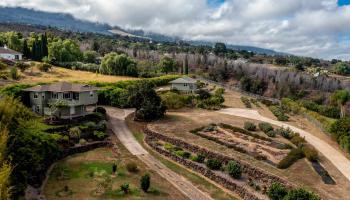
[(252, 172), (229, 184)]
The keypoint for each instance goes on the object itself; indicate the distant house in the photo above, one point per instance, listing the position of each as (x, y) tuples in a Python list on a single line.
[(184, 84), (10, 54), (63, 100)]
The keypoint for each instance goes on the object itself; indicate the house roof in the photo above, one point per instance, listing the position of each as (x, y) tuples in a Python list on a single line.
[(184, 79), (62, 87), (8, 51)]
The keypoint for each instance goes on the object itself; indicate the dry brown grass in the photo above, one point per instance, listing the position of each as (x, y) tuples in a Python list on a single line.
[(179, 124), (31, 76)]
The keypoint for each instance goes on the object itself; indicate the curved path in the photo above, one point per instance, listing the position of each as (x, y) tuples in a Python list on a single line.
[(120, 129), (336, 157)]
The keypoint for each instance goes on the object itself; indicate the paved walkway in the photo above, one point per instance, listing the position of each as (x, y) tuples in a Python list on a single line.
[(336, 157), (120, 129)]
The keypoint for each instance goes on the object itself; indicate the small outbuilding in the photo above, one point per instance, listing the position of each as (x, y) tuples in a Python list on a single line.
[(184, 84), (10, 54)]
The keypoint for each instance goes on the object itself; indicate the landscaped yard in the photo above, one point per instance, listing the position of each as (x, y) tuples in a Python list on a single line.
[(86, 176), (179, 124)]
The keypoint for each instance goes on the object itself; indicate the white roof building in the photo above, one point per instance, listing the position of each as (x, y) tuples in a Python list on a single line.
[(10, 54)]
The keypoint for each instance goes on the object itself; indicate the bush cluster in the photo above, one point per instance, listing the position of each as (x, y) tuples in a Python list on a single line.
[(291, 158), (265, 127), (279, 113), (249, 126), (277, 191), (246, 102), (340, 130), (234, 169), (214, 164), (325, 110)]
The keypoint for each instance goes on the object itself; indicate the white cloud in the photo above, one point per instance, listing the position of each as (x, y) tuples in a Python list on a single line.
[(303, 27)]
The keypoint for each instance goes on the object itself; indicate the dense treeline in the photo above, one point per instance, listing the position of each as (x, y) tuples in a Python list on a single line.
[(29, 149)]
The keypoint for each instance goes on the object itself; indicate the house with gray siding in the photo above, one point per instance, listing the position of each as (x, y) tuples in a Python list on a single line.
[(184, 84), (63, 100)]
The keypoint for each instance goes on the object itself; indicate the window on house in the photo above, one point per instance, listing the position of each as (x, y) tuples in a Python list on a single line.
[(54, 95), (36, 95), (37, 109), (185, 84), (76, 96), (91, 94), (66, 95), (17, 57)]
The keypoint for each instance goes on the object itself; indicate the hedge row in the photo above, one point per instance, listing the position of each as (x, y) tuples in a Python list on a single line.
[(279, 113)]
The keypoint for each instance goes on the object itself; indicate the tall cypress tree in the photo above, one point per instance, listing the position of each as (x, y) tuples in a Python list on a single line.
[(44, 49), (26, 50)]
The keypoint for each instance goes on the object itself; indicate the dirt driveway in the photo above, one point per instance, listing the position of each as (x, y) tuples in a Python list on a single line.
[(120, 129), (336, 157)]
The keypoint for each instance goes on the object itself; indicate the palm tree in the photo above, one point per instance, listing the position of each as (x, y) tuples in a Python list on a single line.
[(340, 97)]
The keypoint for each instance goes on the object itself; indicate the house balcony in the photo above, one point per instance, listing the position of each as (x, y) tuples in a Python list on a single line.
[(69, 102)]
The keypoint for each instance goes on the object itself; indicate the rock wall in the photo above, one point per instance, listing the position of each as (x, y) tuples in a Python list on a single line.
[(252, 172)]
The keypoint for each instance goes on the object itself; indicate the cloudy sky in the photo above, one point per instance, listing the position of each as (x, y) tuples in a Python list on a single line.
[(319, 28)]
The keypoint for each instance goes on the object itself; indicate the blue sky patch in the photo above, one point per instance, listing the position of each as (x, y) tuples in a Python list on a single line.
[(216, 3), (343, 2)]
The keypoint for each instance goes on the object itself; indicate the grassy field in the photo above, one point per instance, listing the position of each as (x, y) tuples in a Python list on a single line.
[(83, 174), (33, 75), (200, 182)]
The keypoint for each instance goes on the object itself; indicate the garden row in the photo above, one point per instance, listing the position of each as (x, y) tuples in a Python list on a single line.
[(252, 172), (214, 166)]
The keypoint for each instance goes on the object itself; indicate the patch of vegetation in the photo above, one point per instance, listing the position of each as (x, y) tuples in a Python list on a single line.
[(340, 130), (279, 113), (265, 127), (276, 191), (234, 169), (255, 86), (245, 132), (249, 126), (214, 164), (246, 102), (132, 167), (293, 156)]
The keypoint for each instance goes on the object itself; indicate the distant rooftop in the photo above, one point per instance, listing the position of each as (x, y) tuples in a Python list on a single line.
[(5, 50), (62, 87), (184, 79)]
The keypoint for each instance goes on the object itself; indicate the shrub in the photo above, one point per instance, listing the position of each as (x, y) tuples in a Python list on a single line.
[(265, 127), (249, 126), (145, 182), (132, 167), (3, 66), (285, 132), (169, 147), (74, 132), (310, 153), (234, 169), (271, 133), (14, 73), (183, 154), (302, 194), (340, 131), (279, 113), (291, 158), (214, 164), (82, 142), (114, 168), (101, 110), (198, 158), (125, 188), (246, 102), (203, 94), (99, 135), (44, 67), (297, 140), (22, 66), (276, 191)]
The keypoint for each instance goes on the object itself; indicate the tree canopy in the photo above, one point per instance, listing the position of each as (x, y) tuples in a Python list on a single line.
[(118, 64)]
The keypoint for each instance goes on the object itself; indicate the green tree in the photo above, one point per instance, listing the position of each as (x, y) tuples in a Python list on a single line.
[(340, 97), (145, 182), (118, 64), (276, 191), (146, 101), (341, 68), (90, 56), (14, 41), (220, 48), (5, 167), (125, 188), (341, 132), (14, 73), (234, 169), (26, 49), (300, 194), (167, 64), (64, 51)]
